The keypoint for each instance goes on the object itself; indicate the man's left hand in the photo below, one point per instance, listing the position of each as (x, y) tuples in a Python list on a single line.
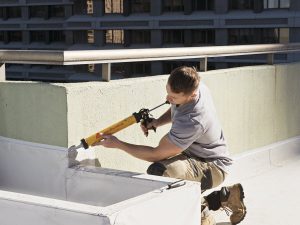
[(108, 141)]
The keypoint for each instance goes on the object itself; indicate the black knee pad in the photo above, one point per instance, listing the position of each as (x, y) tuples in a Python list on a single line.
[(157, 169), (213, 200), (207, 180)]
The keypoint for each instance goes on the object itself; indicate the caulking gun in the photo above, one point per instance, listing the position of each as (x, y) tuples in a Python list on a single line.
[(142, 116)]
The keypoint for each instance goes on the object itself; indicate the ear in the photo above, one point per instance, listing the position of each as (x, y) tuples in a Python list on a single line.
[(194, 95)]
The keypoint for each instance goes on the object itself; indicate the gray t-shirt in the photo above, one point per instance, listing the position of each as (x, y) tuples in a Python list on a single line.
[(196, 129)]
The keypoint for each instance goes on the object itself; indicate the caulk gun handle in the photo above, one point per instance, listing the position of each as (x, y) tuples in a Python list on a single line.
[(145, 123)]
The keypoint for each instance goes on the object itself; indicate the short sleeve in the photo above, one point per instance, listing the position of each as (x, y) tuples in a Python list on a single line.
[(184, 132)]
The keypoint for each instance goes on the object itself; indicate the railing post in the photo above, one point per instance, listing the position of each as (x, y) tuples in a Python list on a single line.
[(2, 72), (203, 64), (270, 59), (106, 71)]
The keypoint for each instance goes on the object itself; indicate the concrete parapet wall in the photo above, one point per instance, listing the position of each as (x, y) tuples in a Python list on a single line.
[(257, 106), (35, 112)]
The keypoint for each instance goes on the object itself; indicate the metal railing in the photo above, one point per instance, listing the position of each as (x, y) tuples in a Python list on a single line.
[(107, 57)]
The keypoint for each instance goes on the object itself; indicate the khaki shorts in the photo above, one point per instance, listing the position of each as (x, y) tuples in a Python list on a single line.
[(187, 167)]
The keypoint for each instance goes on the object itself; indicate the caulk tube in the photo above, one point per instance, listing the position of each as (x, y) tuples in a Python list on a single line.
[(87, 142)]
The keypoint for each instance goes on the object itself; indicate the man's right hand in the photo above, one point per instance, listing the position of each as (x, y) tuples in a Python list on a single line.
[(153, 123)]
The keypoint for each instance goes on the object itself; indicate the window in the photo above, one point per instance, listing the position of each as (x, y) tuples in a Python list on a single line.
[(203, 37), (284, 35), (127, 70), (238, 64), (114, 37), (81, 68), (2, 12), (173, 5), (168, 66), (285, 4), (14, 12), (56, 11), (140, 6), (141, 68), (37, 36), (90, 7), (1, 36), (14, 36), (245, 36), (113, 6), (269, 36), (38, 11), (91, 36), (91, 68), (118, 70), (275, 4), (258, 36), (271, 4), (56, 36), (140, 37), (241, 4), (80, 7), (202, 5), (80, 37), (173, 36)]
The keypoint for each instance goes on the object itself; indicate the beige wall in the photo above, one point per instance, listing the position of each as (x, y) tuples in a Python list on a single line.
[(257, 106), (34, 112)]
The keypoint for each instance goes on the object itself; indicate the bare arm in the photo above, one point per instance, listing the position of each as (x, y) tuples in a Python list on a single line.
[(164, 118), (164, 150)]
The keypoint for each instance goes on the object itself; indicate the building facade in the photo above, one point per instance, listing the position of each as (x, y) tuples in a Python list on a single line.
[(117, 24)]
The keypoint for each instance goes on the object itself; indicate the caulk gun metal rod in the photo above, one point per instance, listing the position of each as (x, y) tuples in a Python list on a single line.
[(159, 106)]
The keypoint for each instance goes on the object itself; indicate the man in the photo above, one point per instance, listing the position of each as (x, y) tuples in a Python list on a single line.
[(194, 148)]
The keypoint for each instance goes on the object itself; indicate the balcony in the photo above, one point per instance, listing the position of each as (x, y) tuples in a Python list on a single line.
[(258, 107)]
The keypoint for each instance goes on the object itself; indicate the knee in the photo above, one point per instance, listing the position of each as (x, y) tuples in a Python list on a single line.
[(157, 169)]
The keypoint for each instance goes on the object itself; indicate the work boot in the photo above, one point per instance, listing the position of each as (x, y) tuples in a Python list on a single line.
[(207, 218), (232, 201)]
